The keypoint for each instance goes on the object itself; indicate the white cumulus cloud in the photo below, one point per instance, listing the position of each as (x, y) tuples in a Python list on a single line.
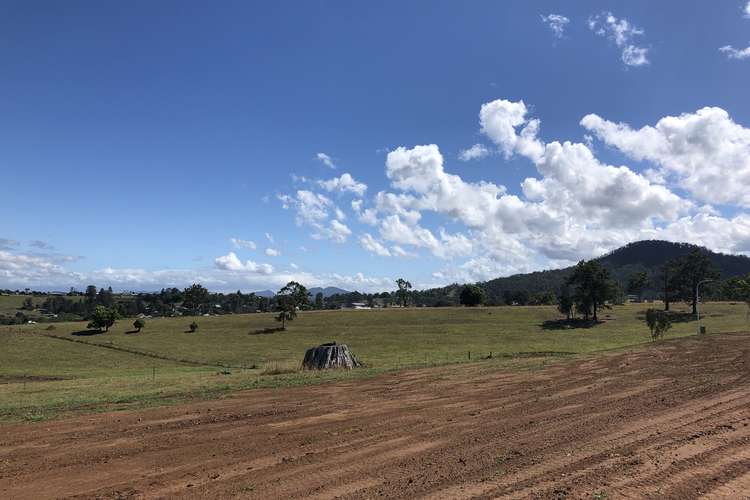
[(345, 183), (373, 246), (231, 262), (706, 151), (475, 152)]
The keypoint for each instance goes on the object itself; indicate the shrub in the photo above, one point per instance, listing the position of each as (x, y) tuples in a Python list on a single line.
[(139, 323), (193, 326), (658, 322)]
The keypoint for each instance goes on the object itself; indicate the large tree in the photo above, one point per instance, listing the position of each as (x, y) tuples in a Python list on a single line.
[(403, 292), (90, 295), (565, 303), (738, 289), (472, 295), (637, 282), (666, 281), (689, 271), (195, 297), (292, 297), (592, 287), (103, 317)]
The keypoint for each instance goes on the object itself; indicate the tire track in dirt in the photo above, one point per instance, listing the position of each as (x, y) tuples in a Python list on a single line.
[(669, 419)]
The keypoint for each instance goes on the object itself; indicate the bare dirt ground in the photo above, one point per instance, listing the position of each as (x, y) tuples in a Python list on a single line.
[(667, 420)]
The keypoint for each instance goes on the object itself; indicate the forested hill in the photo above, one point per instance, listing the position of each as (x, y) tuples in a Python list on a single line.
[(650, 255), (646, 256)]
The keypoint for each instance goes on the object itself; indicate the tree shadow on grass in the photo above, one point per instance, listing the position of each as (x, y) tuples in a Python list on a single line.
[(569, 324), (88, 333), (131, 332), (266, 331), (679, 316)]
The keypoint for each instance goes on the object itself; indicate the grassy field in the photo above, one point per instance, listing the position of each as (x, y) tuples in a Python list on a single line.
[(11, 304), (48, 370)]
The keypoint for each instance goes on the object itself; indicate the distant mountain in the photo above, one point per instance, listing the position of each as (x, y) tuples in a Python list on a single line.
[(327, 291), (265, 293), (635, 257)]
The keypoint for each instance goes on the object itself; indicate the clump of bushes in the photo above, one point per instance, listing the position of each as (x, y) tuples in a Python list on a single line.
[(658, 322)]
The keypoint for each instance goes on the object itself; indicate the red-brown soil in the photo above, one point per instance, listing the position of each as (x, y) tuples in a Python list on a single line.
[(670, 420)]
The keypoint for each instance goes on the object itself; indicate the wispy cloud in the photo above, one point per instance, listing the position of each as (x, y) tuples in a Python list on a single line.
[(557, 23), (621, 32), (42, 245), (240, 243), (325, 160), (733, 53), (6, 243)]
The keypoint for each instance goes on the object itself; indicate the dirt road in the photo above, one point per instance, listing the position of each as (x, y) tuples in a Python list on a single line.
[(669, 420)]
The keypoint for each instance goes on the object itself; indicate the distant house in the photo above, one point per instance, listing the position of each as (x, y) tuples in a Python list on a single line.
[(360, 305)]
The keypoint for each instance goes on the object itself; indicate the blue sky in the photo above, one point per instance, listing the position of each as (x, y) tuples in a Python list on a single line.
[(137, 140)]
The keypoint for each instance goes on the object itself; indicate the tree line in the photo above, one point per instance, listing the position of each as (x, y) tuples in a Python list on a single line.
[(586, 288)]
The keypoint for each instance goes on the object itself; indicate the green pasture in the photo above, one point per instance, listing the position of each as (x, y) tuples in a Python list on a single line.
[(54, 369)]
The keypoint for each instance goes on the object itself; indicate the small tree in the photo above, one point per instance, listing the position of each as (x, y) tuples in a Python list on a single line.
[(319, 300), (193, 326), (402, 294), (286, 309), (658, 322), (472, 295), (139, 323), (102, 318)]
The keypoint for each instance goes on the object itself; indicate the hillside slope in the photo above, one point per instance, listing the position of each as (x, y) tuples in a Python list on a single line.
[(646, 256)]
